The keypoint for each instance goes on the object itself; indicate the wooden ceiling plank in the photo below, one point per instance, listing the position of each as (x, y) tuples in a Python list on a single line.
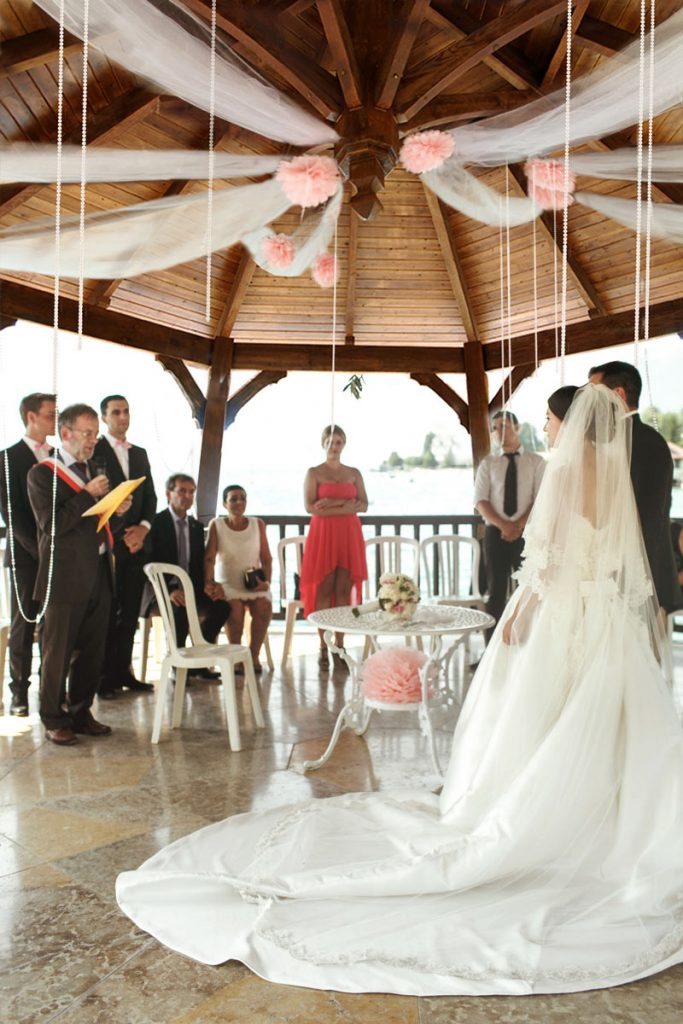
[(575, 272), (253, 30), (467, 106), (558, 59), (343, 54), (351, 276), (33, 50), (462, 57), (452, 262), (238, 289), (103, 127), (601, 37), (399, 50)]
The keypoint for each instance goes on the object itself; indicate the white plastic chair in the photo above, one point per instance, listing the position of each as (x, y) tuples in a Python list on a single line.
[(453, 554), (396, 554), (290, 604), (148, 624), (200, 655)]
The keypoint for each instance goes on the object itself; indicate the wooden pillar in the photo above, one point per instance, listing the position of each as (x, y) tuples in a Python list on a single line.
[(477, 400), (214, 423)]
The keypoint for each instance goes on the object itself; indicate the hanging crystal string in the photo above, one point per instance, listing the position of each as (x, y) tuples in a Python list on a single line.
[(84, 146), (209, 197), (508, 275), (501, 276), (535, 273), (555, 302), (648, 211), (334, 332), (565, 212)]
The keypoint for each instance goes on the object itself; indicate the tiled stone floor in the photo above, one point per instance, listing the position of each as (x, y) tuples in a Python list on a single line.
[(71, 819)]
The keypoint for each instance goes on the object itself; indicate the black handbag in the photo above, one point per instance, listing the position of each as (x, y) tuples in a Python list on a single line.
[(252, 578)]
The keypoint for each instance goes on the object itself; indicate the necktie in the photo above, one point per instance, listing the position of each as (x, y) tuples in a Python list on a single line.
[(81, 470), (183, 560), (510, 494)]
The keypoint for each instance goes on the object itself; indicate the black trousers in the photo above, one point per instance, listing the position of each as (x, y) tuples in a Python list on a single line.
[(123, 622), (212, 617), (73, 650), (501, 559), (22, 632)]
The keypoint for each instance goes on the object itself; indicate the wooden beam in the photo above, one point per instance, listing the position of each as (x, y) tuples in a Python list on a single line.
[(214, 425), (510, 385), (34, 50), (343, 53), (477, 401), (445, 110), (350, 358), (238, 289), (587, 335), (558, 59), (575, 272), (26, 303), (103, 128), (462, 57), (401, 44), (187, 384), (351, 275), (446, 393), (601, 37), (250, 390), (253, 31), (452, 261)]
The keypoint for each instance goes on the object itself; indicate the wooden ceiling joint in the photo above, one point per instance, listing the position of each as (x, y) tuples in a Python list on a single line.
[(409, 24), (601, 37), (250, 390), (190, 390), (34, 50), (343, 53), (450, 110), (240, 284), (446, 393), (510, 385), (559, 57)]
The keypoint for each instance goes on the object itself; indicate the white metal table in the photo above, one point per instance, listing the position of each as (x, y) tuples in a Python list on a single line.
[(432, 622)]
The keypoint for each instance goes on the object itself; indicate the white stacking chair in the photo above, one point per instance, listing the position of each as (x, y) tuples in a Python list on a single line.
[(149, 624), (396, 554), (200, 655), (458, 570), (290, 604)]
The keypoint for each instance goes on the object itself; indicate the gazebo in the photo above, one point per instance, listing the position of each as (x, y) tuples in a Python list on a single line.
[(419, 288)]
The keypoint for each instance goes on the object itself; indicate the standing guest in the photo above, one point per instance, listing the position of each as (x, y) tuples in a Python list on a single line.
[(82, 585), (677, 544), (178, 538), (37, 413), (652, 478), (334, 556), (125, 461), (505, 489), (237, 547)]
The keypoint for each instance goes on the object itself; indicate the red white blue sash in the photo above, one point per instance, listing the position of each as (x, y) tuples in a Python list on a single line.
[(74, 482)]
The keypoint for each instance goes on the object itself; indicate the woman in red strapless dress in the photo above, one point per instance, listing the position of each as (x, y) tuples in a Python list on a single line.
[(334, 556)]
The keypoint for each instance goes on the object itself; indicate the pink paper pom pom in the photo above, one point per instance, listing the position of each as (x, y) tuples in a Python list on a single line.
[(547, 185), (392, 675), (278, 251), (324, 270), (426, 151), (308, 180)]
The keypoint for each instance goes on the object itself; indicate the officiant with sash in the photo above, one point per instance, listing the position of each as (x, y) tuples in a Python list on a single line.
[(81, 584), (121, 461), (505, 489)]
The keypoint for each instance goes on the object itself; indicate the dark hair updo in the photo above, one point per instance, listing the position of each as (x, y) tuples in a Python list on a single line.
[(560, 400)]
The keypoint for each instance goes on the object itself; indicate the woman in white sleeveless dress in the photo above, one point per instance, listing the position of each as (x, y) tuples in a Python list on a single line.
[(551, 861), (235, 545)]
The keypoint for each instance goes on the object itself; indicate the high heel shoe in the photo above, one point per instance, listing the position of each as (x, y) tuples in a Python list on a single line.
[(324, 658)]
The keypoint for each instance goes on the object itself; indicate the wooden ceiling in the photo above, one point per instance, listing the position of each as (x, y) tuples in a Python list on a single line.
[(418, 280)]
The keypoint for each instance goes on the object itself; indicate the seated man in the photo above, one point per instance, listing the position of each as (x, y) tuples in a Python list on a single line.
[(178, 538)]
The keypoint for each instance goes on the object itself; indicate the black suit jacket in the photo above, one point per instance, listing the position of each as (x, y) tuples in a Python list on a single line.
[(77, 541), (21, 459), (144, 498), (652, 476), (163, 547)]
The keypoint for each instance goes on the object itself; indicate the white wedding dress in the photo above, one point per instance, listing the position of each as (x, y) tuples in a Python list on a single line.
[(552, 860)]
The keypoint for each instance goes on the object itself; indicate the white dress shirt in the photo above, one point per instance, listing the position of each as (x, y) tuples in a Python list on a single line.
[(41, 451), (121, 452), (489, 484)]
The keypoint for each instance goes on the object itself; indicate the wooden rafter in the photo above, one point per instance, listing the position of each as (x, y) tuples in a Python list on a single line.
[(447, 393), (238, 289), (103, 127), (400, 46), (343, 54), (575, 272), (559, 56), (253, 32), (601, 37), (352, 272), (250, 390), (452, 261), (187, 384), (461, 57), (33, 50), (510, 385), (445, 110)]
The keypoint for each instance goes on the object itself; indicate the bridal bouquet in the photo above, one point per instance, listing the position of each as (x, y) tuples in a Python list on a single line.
[(398, 596)]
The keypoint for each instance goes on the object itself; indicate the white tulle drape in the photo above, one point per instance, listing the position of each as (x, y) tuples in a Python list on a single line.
[(136, 35), (622, 164), (310, 239)]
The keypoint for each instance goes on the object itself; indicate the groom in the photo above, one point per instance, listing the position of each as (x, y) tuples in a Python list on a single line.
[(652, 478)]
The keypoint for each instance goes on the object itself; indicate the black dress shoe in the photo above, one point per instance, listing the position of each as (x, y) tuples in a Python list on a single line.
[(62, 737), (137, 687), (19, 707), (91, 727), (107, 695)]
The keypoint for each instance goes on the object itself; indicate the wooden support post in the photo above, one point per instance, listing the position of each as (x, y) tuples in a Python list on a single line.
[(477, 400), (212, 434)]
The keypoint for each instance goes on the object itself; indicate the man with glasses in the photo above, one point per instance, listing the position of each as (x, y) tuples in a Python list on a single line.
[(81, 584)]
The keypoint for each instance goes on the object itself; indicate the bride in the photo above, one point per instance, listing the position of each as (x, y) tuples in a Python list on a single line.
[(552, 860)]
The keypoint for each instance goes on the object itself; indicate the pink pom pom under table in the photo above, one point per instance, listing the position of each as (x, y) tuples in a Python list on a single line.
[(430, 622)]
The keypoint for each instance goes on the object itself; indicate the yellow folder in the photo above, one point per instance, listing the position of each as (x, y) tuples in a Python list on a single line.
[(107, 506)]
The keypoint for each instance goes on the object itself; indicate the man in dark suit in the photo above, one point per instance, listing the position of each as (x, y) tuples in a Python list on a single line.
[(652, 477), (37, 412), (125, 461), (178, 538), (80, 588)]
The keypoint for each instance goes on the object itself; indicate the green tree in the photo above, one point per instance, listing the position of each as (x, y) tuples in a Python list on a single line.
[(448, 461), (529, 438), (395, 461), (428, 442), (669, 424), (428, 460)]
